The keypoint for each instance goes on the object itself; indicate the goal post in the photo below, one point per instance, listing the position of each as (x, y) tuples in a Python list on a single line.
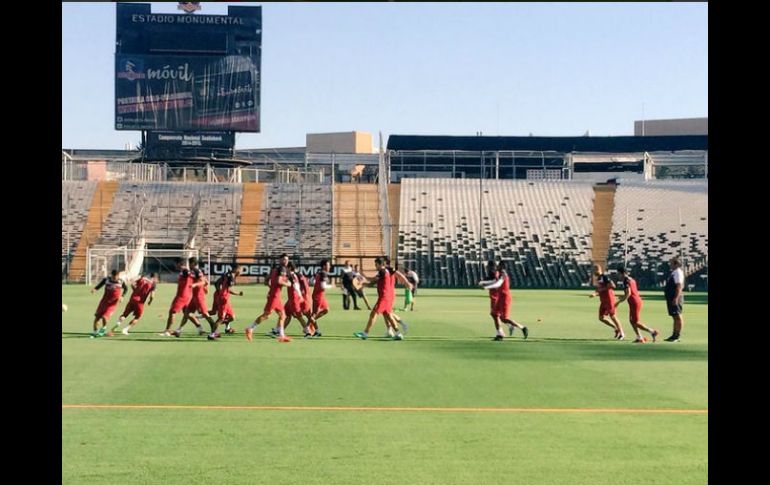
[(132, 263)]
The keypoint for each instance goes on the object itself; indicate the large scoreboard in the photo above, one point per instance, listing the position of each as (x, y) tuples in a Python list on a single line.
[(187, 72)]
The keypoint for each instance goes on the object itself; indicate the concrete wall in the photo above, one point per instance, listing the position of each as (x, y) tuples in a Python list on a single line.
[(348, 142), (683, 126)]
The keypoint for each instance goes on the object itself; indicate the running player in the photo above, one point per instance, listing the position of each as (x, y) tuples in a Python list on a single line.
[(385, 299), (493, 276), (502, 306), (183, 296), (604, 288), (221, 306), (320, 305), (144, 291), (114, 288), (631, 295), (295, 303), (197, 302), (276, 281)]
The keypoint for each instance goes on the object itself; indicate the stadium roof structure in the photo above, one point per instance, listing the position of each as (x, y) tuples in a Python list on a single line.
[(564, 144)]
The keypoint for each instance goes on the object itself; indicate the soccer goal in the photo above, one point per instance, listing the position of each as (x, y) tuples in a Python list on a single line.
[(131, 263)]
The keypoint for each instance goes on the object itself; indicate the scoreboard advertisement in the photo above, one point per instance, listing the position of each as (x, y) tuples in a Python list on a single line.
[(187, 72)]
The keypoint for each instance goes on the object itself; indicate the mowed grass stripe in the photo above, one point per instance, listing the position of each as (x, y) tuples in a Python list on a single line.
[(389, 409)]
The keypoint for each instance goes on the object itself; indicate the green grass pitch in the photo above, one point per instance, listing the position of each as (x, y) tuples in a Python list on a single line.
[(447, 360)]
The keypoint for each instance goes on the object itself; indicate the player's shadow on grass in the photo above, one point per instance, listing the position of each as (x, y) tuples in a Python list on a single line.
[(137, 337), (688, 299), (560, 351)]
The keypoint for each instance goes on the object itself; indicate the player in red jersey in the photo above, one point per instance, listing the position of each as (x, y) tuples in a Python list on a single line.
[(114, 288), (184, 282), (320, 305), (276, 281), (385, 298), (197, 302), (221, 306), (502, 305), (307, 300), (393, 321), (631, 295), (295, 304), (143, 291), (493, 276), (604, 288)]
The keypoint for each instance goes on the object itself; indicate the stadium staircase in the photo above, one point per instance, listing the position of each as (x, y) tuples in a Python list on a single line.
[(97, 214), (357, 225), (604, 205), (251, 210)]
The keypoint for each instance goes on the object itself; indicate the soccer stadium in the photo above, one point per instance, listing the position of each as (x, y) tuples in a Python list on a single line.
[(409, 309)]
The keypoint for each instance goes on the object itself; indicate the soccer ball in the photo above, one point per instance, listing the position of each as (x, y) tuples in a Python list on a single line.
[(63, 307)]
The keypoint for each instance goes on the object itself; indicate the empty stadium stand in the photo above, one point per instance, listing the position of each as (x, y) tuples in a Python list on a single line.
[(542, 229), (200, 215), (654, 221), (294, 209)]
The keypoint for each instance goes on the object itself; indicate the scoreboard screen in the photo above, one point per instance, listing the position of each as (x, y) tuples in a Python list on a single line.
[(187, 72)]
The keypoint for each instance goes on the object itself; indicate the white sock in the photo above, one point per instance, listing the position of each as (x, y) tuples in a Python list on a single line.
[(390, 332), (500, 332), (280, 331)]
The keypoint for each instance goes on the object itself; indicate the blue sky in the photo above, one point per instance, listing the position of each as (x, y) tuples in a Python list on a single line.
[(551, 69)]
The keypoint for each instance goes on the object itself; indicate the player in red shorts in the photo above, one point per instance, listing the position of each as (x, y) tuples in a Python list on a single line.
[(295, 303), (502, 306), (385, 298), (320, 305), (114, 288), (392, 320), (144, 291), (493, 276), (183, 296), (631, 295), (604, 288), (276, 281), (197, 302), (307, 300), (221, 306)]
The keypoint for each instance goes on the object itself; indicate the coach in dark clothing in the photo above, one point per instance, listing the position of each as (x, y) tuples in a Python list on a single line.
[(347, 285), (675, 298)]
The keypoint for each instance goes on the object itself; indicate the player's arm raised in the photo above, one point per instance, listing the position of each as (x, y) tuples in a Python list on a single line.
[(99, 285), (369, 281), (493, 284), (403, 279)]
